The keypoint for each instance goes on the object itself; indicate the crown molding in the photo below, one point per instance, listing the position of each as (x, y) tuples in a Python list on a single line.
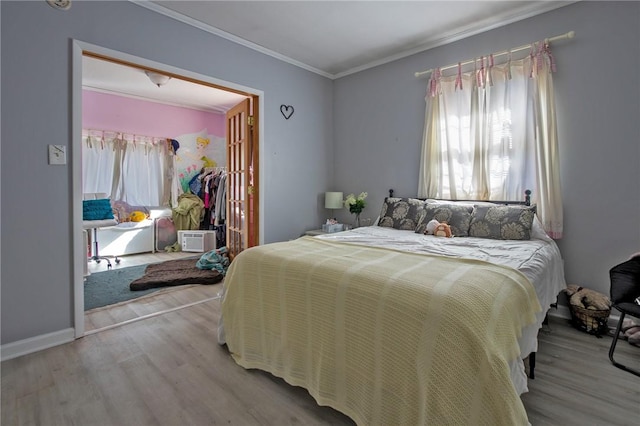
[(223, 34), (483, 26), (496, 21)]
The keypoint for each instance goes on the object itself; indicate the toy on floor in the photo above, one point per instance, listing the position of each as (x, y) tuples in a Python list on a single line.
[(630, 331)]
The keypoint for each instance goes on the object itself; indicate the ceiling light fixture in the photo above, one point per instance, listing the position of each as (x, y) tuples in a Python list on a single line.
[(157, 79)]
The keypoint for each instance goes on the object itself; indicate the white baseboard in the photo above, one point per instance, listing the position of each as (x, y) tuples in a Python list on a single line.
[(35, 344)]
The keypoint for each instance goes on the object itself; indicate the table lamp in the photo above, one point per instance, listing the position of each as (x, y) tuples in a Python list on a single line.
[(333, 200)]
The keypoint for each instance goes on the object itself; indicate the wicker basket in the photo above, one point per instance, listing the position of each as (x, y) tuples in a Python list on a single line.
[(592, 321)]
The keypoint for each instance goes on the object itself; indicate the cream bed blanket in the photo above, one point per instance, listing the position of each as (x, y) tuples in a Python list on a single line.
[(384, 336)]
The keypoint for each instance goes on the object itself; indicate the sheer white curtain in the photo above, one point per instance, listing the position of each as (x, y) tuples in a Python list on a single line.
[(136, 169), (98, 160), (490, 134), (142, 175)]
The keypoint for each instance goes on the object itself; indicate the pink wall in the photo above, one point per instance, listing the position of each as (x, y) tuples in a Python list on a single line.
[(102, 111)]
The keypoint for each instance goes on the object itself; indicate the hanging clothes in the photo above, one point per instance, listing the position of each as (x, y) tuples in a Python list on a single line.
[(221, 200)]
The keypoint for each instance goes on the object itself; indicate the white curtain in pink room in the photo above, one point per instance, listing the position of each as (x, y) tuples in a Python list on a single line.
[(98, 162), (490, 134), (138, 170)]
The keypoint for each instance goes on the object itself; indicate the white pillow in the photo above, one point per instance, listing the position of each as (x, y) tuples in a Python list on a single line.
[(537, 230)]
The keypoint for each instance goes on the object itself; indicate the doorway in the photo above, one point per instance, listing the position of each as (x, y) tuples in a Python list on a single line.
[(79, 50)]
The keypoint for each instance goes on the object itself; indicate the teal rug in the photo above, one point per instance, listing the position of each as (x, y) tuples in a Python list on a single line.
[(109, 287)]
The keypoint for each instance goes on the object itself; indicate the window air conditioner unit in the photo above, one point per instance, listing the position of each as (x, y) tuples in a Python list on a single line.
[(197, 241)]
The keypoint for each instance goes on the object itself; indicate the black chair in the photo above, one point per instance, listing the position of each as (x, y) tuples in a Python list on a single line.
[(625, 289)]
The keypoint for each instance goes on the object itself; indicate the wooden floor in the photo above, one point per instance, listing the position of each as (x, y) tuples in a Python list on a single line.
[(152, 304), (169, 370), (576, 384)]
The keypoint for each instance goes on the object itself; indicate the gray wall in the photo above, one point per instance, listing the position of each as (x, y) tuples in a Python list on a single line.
[(36, 228), (379, 114)]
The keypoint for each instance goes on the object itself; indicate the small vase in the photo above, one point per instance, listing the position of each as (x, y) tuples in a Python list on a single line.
[(356, 222)]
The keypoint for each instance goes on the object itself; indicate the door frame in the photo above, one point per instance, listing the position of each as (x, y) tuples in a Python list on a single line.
[(78, 251)]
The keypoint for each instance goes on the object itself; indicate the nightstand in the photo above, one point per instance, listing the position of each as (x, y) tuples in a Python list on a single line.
[(314, 232)]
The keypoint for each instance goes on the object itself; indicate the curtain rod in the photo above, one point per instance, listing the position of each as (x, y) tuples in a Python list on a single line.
[(570, 34), (88, 132)]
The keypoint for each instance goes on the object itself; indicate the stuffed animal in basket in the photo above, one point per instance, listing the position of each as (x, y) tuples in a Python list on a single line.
[(589, 309), (587, 299)]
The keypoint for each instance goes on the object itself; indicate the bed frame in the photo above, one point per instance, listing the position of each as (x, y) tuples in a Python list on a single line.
[(525, 202)]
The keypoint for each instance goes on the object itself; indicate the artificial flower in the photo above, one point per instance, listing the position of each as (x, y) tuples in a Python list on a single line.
[(355, 204)]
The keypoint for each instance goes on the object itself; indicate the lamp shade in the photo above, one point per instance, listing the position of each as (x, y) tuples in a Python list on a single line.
[(333, 200)]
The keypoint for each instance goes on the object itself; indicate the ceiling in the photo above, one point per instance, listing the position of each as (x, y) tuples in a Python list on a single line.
[(330, 38), (113, 78)]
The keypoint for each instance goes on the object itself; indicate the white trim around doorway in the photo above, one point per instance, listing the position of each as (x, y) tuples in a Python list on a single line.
[(78, 250)]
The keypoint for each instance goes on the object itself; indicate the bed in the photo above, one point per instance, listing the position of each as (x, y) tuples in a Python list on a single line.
[(392, 326)]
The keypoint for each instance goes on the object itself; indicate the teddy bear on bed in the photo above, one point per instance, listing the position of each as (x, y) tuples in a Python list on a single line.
[(438, 229)]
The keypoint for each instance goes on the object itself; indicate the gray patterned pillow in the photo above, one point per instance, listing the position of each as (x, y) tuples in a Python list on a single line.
[(457, 216), (400, 213), (502, 222)]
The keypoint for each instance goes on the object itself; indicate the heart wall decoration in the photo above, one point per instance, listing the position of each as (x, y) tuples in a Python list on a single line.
[(287, 111)]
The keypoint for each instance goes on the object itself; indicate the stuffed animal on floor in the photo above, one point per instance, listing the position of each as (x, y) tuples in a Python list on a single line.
[(586, 298), (630, 331), (443, 230)]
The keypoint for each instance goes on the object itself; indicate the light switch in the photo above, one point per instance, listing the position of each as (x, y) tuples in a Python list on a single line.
[(57, 154)]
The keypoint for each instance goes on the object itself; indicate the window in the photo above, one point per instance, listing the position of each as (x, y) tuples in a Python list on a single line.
[(490, 134)]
